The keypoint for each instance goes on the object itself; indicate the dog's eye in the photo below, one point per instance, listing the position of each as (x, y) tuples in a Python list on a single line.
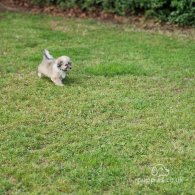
[(60, 63)]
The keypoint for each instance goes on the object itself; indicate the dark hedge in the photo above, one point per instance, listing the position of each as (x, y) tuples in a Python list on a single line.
[(176, 11)]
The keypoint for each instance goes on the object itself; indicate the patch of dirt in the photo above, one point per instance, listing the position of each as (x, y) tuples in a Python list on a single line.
[(137, 22), (8, 5)]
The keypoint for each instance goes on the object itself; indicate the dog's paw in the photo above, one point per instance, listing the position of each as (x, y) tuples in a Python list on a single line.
[(60, 84), (57, 81), (39, 75)]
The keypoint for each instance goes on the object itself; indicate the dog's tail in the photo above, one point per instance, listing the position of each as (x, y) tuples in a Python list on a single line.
[(47, 55)]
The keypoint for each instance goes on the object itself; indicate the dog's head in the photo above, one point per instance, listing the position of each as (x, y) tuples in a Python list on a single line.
[(64, 63)]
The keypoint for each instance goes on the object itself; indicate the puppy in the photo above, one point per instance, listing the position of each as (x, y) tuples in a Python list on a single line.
[(55, 69)]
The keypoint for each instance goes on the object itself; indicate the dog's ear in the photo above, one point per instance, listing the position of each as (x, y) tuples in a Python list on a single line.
[(70, 63)]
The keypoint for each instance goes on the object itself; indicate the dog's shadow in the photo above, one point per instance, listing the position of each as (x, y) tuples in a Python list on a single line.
[(68, 81)]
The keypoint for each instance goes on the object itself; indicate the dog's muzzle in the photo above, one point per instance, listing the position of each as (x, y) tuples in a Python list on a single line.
[(66, 69)]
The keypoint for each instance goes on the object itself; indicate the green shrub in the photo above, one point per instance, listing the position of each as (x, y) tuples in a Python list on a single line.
[(183, 12), (176, 11)]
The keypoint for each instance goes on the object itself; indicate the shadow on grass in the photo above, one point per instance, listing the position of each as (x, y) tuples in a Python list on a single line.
[(116, 69), (68, 81)]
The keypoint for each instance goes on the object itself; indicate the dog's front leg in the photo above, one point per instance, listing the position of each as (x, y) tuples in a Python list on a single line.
[(57, 81)]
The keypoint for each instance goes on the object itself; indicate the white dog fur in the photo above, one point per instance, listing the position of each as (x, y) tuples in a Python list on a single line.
[(55, 69)]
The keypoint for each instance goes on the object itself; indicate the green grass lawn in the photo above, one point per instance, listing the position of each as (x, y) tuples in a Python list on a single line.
[(127, 106)]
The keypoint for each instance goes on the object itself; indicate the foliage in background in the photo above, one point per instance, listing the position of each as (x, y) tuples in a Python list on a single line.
[(176, 11)]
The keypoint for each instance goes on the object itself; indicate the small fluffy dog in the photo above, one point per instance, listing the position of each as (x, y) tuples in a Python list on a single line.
[(55, 69)]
